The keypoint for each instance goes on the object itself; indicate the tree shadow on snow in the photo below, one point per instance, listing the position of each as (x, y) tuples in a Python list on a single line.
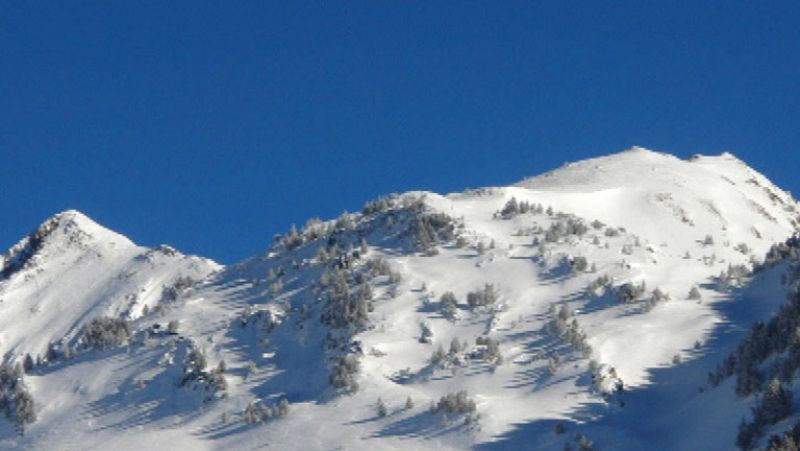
[(161, 396), (634, 424), (424, 425)]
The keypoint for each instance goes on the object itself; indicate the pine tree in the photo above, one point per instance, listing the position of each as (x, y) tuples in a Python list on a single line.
[(748, 433), (552, 365), (455, 346), (28, 363), (282, 408), (438, 356), (322, 255), (449, 304), (172, 327), (67, 351), (511, 208), (776, 403)]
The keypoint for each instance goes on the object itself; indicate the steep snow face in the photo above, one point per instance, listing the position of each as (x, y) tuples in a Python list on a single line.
[(606, 273), (71, 270)]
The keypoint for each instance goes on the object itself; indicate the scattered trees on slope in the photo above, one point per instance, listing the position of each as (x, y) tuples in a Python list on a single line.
[(629, 292), (428, 230), (788, 441), (15, 399), (570, 331), (565, 226), (458, 403), (195, 374), (256, 412), (105, 332), (482, 297), (489, 350), (346, 307), (513, 208), (343, 372), (772, 407), (449, 305)]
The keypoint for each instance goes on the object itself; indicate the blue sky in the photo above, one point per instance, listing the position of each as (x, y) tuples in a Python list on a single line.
[(213, 125)]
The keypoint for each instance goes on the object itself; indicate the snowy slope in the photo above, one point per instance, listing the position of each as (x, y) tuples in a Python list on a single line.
[(647, 191), (283, 328), (71, 269)]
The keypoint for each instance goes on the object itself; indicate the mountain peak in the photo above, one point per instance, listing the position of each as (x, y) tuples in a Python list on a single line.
[(615, 169), (66, 230), (75, 227), (637, 149), (72, 214), (73, 219), (625, 169)]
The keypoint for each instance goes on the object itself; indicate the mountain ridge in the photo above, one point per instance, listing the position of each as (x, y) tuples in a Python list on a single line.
[(473, 318)]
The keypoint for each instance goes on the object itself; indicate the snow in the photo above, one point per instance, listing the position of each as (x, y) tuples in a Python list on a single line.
[(78, 271), (127, 398)]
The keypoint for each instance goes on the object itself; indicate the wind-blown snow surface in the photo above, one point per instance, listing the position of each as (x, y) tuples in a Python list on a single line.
[(644, 217)]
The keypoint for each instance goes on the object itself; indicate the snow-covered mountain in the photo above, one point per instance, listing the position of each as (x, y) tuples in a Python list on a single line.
[(585, 304), (70, 270)]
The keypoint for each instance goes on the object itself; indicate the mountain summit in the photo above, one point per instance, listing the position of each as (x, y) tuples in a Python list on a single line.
[(70, 269), (68, 229), (648, 191), (587, 304)]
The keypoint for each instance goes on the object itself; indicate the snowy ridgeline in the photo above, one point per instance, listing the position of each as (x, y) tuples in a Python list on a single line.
[(608, 304)]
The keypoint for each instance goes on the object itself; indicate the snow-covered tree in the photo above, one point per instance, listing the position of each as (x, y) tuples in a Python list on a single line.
[(449, 304), (485, 296), (380, 406), (105, 332)]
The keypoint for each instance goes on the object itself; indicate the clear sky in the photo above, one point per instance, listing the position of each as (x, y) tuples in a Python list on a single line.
[(212, 125)]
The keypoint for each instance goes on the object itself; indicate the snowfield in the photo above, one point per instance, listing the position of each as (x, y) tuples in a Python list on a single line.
[(587, 304)]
